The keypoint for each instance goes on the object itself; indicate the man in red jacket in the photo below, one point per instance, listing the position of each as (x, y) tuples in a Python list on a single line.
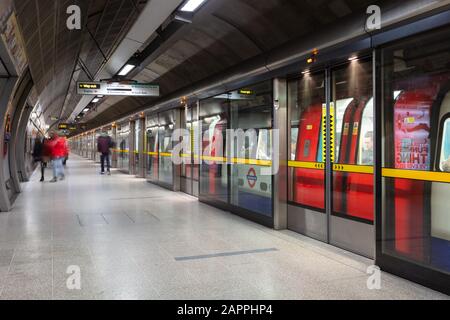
[(58, 153)]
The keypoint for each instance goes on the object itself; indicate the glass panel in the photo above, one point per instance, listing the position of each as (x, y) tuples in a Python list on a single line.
[(186, 167), (213, 170), (152, 148), (416, 101), (306, 97), (124, 149), (251, 184), (352, 97), (196, 138), (166, 129)]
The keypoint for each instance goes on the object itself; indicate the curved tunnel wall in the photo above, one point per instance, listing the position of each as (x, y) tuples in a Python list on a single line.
[(15, 92)]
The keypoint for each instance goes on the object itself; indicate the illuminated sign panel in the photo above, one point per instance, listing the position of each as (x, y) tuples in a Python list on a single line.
[(84, 85), (63, 126), (118, 89), (246, 92)]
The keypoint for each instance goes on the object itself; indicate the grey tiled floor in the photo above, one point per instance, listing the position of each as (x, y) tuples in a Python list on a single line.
[(125, 234)]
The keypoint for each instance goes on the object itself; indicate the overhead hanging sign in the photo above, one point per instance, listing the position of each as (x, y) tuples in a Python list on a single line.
[(105, 88), (63, 126)]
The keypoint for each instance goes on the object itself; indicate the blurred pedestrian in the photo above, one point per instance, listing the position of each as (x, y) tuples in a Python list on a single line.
[(58, 153), (41, 154), (104, 144)]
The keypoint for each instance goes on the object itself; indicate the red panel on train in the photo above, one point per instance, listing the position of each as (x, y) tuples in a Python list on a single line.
[(309, 183)]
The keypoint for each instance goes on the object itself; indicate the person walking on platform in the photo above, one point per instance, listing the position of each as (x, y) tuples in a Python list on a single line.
[(104, 144), (41, 154), (58, 153)]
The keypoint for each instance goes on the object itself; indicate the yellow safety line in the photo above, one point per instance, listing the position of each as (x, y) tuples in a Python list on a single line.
[(350, 168), (165, 154), (215, 159), (255, 162), (416, 175), (152, 153), (306, 165)]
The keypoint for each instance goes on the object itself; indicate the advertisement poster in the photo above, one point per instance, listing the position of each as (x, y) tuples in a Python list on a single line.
[(412, 135), (12, 38)]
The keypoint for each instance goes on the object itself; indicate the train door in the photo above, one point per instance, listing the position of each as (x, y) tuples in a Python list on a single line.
[(339, 212)]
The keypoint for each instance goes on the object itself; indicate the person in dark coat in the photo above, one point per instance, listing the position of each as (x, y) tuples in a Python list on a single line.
[(41, 154), (104, 144)]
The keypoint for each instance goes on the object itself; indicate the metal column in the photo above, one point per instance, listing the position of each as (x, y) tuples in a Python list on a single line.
[(280, 153)]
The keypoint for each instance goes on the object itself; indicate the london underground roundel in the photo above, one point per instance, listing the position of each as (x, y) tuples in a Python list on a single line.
[(252, 178)]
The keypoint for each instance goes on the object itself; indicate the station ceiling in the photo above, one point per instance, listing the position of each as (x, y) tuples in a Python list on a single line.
[(53, 51), (222, 34)]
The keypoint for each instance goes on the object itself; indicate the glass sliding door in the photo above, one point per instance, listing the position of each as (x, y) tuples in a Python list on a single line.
[(166, 128), (190, 166), (306, 186), (152, 147), (137, 140), (335, 206), (251, 122), (352, 121), (123, 133), (214, 169), (235, 171)]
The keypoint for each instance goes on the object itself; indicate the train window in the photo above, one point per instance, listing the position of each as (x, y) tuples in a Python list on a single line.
[(340, 108), (264, 145), (365, 149), (444, 161)]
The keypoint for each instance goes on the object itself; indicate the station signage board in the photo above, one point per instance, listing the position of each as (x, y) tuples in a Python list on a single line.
[(63, 126), (128, 88)]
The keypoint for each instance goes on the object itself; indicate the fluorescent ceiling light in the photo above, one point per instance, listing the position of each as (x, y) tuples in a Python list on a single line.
[(126, 69), (86, 109), (192, 5), (96, 100)]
